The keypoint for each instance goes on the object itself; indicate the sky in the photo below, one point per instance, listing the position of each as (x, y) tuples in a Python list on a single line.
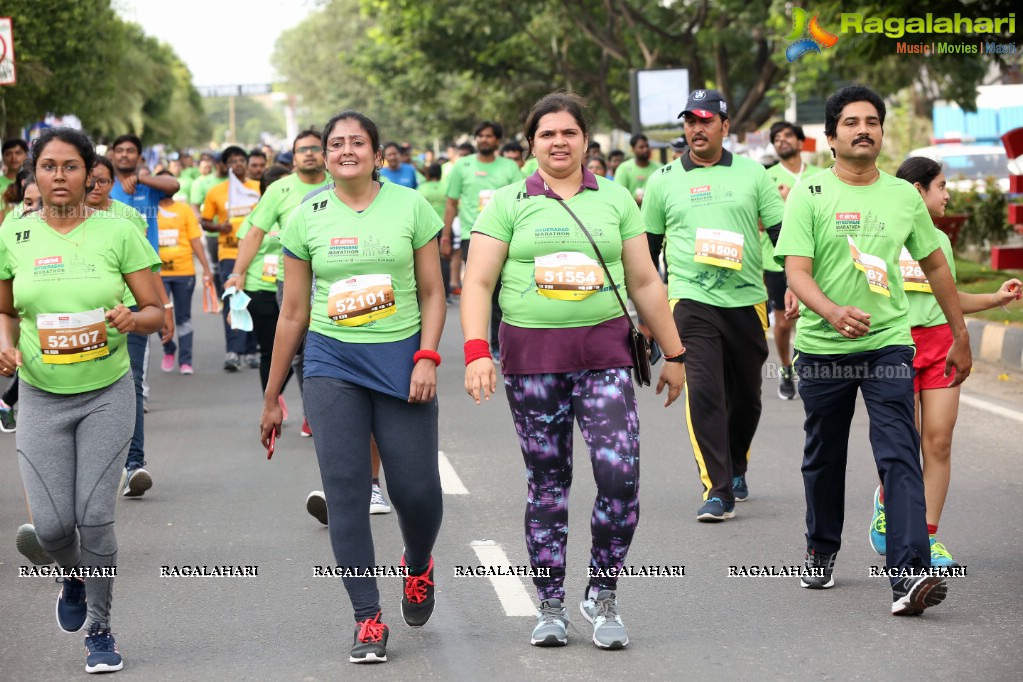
[(195, 29)]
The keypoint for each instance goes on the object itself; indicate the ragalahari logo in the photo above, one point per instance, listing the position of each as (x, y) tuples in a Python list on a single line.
[(818, 36)]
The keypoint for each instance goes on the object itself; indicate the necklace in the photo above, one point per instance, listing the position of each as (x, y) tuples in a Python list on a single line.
[(877, 174)]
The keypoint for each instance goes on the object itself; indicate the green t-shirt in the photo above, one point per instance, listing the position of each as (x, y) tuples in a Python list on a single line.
[(124, 211), (272, 211), (364, 262), (5, 182), (781, 176), (434, 193), (13, 215), (854, 236), (200, 187), (635, 179), (551, 277), (924, 310), (71, 281), (708, 216), (473, 183), (530, 166)]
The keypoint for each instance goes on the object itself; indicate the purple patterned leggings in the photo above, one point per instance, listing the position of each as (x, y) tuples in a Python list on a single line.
[(544, 408)]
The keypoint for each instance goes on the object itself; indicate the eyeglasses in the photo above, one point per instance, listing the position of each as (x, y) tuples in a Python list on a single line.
[(68, 168), (315, 149), (103, 182)]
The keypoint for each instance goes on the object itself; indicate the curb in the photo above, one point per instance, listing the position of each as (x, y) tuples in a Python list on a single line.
[(997, 343)]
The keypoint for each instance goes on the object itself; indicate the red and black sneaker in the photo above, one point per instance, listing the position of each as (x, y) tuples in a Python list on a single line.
[(370, 645), (417, 598)]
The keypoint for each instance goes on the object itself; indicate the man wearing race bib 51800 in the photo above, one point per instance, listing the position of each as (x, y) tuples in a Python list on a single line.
[(844, 233), (705, 206)]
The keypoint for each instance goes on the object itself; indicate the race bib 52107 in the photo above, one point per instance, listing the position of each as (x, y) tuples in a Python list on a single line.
[(65, 338)]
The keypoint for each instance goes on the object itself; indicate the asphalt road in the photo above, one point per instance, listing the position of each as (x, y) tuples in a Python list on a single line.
[(216, 500)]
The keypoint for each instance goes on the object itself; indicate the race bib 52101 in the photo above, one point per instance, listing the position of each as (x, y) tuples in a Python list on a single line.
[(360, 300), (65, 338)]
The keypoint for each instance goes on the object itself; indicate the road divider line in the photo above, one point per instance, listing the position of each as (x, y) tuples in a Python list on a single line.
[(991, 407), (510, 589), (450, 483)]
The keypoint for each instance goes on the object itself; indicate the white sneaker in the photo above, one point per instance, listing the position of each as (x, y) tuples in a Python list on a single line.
[(377, 503), (136, 482), (316, 504)]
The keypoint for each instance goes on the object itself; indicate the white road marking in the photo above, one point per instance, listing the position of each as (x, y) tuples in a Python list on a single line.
[(510, 589), (450, 483), (991, 407)]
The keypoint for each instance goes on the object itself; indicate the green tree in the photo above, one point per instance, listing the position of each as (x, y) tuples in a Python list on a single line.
[(80, 58), (252, 118)]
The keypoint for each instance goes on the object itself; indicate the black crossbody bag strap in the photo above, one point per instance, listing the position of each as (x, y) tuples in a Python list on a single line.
[(607, 272)]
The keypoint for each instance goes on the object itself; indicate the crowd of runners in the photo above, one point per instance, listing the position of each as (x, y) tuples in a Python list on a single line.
[(335, 262)]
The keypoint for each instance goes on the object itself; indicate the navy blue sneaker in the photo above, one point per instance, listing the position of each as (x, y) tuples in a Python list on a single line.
[(910, 596), (818, 570), (103, 656), (739, 488), (714, 510), (72, 607)]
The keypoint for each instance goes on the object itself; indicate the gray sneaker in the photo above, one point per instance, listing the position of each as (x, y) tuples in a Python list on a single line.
[(232, 362), (608, 630), (28, 544), (252, 361), (551, 624), (786, 384), (136, 482)]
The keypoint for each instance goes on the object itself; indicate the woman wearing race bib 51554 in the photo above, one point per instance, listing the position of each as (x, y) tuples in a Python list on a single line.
[(62, 278), (370, 363)]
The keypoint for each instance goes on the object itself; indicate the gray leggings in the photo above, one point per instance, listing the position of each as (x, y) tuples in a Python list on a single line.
[(342, 416), (71, 450)]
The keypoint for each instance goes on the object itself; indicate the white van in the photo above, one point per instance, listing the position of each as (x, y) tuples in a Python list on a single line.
[(968, 165)]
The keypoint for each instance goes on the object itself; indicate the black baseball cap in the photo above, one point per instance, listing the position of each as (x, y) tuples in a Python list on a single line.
[(705, 104)]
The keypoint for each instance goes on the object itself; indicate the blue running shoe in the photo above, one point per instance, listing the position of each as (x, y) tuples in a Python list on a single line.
[(714, 511), (72, 607), (739, 488), (940, 558), (877, 525), (103, 656)]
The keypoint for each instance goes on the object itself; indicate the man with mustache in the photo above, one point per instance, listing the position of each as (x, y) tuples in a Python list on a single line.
[(787, 139), (470, 186), (844, 233), (706, 205)]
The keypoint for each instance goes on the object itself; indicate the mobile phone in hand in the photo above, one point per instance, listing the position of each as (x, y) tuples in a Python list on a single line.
[(273, 442)]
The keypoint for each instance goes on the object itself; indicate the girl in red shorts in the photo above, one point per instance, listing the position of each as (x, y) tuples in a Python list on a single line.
[(937, 406)]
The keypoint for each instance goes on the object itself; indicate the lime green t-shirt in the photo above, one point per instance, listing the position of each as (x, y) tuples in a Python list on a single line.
[(924, 310), (552, 277), (272, 211), (5, 182), (473, 183), (123, 211), (434, 193), (708, 216), (200, 187), (781, 176), (13, 215), (67, 283), (530, 166), (854, 236), (364, 262), (635, 179)]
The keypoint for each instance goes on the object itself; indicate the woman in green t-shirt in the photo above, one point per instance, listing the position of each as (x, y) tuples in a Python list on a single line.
[(62, 279), (937, 405), (565, 354), (370, 364)]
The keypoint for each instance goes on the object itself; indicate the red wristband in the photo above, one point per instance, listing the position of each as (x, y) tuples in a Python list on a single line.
[(476, 349), (427, 355)]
